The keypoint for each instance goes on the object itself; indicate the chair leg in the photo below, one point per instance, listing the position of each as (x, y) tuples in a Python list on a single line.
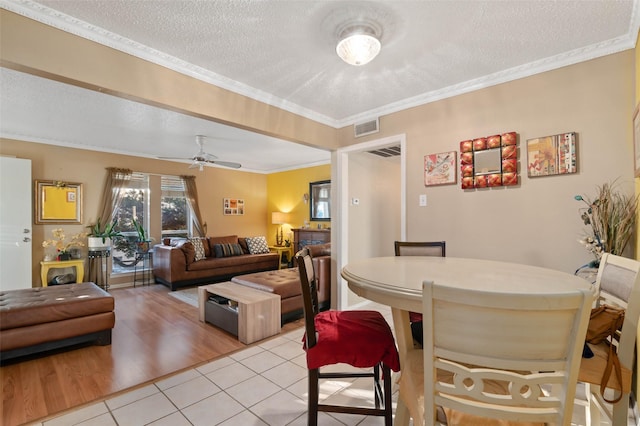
[(620, 410), (388, 412), (314, 392), (376, 385)]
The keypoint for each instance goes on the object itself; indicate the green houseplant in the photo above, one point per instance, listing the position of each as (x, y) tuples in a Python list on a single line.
[(143, 238), (100, 234)]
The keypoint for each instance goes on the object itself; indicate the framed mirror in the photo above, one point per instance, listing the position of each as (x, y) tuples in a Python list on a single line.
[(320, 200), (58, 202)]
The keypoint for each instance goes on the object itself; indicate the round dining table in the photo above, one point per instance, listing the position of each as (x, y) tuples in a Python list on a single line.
[(396, 281)]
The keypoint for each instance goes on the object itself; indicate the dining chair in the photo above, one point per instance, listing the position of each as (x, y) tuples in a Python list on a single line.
[(618, 284), (419, 248), (362, 339), (422, 248), (494, 355)]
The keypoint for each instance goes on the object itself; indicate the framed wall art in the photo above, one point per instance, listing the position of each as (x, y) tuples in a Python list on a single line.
[(552, 155), (233, 206), (489, 161), (58, 202), (440, 169), (636, 140)]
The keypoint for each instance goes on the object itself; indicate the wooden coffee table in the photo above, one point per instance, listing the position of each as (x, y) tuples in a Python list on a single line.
[(257, 312)]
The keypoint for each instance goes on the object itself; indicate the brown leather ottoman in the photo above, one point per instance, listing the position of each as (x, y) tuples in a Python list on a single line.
[(283, 282), (44, 318)]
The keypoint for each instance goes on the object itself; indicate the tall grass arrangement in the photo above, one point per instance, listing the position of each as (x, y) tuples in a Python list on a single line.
[(612, 218)]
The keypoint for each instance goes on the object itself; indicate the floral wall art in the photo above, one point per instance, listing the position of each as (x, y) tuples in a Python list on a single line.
[(552, 155), (440, 169)]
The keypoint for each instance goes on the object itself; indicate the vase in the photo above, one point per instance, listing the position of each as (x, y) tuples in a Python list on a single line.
[(96, 243), (64, 256)]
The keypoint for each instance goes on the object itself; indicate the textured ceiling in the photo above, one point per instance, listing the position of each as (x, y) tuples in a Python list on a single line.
[(283, 52)]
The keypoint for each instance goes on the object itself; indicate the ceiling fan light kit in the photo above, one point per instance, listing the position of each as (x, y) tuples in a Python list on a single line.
[(358, 45)]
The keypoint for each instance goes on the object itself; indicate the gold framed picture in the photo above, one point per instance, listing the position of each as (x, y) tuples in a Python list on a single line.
[(58, 202)]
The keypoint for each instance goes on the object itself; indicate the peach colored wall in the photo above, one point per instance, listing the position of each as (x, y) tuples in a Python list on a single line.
[(88, 167), (536, 222)]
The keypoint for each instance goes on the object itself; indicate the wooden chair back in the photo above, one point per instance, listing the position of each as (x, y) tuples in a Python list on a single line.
[(424, 248), (309, 284), (509, 356)]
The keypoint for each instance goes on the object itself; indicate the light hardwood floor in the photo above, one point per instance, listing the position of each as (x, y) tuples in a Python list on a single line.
[(155, 335)]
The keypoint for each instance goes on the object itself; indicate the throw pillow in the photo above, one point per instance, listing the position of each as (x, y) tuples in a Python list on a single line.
[(189, 252), (227, 250), (199, 248), (257, 245)]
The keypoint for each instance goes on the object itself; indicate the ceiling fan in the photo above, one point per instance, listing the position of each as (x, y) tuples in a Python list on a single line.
[(202, 158)]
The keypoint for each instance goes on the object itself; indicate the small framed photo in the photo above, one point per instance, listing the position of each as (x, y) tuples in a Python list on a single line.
[(440, 169)]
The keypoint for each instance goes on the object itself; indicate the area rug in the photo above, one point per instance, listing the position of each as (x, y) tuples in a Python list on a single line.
[(188, 295)]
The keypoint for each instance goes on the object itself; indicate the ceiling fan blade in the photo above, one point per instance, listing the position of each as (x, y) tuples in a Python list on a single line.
[(227, 164), (176, 158)]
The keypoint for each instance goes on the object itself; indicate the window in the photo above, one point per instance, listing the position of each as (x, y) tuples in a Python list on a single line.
[(171, 209), (176, 214), (133, 205)]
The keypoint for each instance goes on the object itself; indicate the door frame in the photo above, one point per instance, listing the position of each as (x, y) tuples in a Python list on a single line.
[(340, 227)]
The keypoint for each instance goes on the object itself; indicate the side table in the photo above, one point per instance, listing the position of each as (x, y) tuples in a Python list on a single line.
[(283, 250), (46, 265), (98, 267), (143, 259)]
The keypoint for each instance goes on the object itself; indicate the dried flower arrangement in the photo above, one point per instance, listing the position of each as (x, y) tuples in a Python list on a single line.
[(612, 217)]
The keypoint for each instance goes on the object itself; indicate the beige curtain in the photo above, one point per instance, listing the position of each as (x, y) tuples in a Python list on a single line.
[(116, 181), (191, 192)]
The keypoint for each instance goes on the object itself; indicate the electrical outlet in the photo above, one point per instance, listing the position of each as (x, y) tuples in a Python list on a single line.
[(423, 200)]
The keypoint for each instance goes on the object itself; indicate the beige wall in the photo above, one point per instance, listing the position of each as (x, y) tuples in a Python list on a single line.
[(374, 223), (536, 222), (89, 168)]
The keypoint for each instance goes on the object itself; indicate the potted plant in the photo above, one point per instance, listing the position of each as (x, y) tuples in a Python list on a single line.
[(101, 235), (143, 238)]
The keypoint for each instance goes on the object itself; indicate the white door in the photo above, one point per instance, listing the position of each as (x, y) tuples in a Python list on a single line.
[(15, 223)]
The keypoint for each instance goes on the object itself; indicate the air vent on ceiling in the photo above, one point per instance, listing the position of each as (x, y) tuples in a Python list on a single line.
[(389, 151), (366, 128)]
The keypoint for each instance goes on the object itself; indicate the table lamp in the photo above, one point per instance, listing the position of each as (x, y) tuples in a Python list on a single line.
[(278, 218)]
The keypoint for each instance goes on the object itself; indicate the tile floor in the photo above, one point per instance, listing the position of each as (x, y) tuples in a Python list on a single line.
[(265, 384)]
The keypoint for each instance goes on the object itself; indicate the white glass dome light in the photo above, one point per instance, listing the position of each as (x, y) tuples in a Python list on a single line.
[(358, 45)]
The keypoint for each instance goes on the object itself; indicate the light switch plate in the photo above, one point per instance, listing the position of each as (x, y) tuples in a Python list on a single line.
[(423, 200)]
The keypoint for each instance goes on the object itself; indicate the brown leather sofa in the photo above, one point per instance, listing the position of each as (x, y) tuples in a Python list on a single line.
[(174, 264), (40, 319), (286, 283)]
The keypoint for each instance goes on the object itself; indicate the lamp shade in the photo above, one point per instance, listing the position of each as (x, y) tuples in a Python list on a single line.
[(278, 218), (358, 46)]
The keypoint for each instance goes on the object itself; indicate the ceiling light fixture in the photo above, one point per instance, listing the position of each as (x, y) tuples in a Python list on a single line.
[(358, 45)]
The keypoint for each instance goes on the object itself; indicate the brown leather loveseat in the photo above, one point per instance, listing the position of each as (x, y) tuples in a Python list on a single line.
[(175, 265)]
